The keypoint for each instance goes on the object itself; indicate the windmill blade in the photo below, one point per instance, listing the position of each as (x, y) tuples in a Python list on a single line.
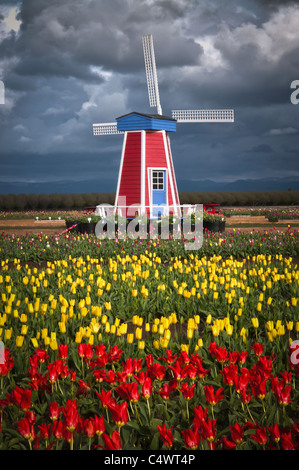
[(151, 72), (204, 115), (106, 128)]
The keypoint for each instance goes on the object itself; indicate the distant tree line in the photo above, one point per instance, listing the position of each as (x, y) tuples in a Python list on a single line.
[(28, 202)]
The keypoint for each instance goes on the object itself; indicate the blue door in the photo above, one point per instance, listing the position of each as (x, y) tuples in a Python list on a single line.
[(158, 192)]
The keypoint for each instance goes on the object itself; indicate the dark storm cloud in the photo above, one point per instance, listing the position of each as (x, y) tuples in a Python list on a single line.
[(76, 62)]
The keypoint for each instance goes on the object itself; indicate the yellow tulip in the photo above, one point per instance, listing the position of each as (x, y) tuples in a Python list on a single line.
[(185, 347), (130, 338), (78, 337), (141, 345), (229, 329), (190, 332), (91, 340), (255, 322), (164, 342), (24, 329), (19, 341), (138, 333), (62, 327), (53, 344), (215, 330)]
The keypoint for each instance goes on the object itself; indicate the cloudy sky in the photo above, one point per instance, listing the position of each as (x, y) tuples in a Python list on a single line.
[(66, 64)]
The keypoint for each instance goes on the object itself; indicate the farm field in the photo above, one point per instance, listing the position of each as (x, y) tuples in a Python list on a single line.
[(143, 345)]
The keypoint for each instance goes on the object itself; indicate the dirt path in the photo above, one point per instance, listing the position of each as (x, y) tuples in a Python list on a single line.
[(55, 227), (24, 226)]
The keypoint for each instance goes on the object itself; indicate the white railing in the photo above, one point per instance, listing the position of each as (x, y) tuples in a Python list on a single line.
[(153, 211)]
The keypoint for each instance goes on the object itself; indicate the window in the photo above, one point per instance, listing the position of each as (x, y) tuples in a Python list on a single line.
[(158, 180)]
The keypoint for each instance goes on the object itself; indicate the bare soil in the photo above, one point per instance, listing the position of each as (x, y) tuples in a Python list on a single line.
[(56, 227)]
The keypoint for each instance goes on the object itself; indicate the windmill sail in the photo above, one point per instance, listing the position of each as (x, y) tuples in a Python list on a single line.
[(151, 72), (204, 115), (106, 128)]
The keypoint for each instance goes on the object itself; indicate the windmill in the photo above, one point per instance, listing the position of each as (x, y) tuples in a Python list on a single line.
[(146, 176)]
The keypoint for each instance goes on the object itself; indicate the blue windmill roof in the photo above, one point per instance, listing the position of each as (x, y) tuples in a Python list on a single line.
[(140, 121)]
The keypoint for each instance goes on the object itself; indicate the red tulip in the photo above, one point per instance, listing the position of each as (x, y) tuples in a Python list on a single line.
[(245, 397), (44, 430), (21, 398), (62, 351), (88, 353), (208, 430), (113, 442), (200, 415), (179, 373), (128, 391), (274, 431), (229, 373), (233, 356), (210, 395), (58, 429), (54, 410), (71, 415), (81, 349), (237, 432), (114, 354), (242, 357), (165, 391), (165, 435), (170, 358), (41, 354), (26, 429), (147, 388), (258, 349), (25, 402), (89, 426), (99, 425), (83, 387), (100, 375), (258, 388), (119, 412), (53, 372), (191, 438), (105, 397), (287, 441), (260, 435), (111, 377), (191, 371), (157, 370), (228, 444), (219, 353), (187, 391), (284, 397)]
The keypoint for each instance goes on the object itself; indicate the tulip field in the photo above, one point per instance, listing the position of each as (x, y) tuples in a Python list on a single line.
[(142, 345)]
